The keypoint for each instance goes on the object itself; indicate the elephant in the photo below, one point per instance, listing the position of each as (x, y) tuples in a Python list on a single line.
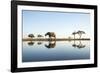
[(51, 34)]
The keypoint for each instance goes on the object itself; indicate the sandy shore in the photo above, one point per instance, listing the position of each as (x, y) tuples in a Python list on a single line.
[(57, 39)]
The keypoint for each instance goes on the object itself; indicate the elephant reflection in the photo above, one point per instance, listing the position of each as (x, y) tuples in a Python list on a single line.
[(51, 44), (30, 43), (80, 45)]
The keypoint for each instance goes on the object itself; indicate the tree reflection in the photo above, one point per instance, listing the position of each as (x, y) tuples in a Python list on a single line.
[(74, 45), (80, 45), (39, 43), (30, 43), (51, 44)]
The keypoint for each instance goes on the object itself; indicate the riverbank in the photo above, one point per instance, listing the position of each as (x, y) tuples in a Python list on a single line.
[(57, 39)]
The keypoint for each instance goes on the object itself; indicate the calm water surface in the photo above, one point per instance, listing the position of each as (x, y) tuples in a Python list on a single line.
[(34, 51)]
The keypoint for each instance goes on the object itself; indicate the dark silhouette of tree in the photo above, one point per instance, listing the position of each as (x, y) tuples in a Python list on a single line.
[(39, 35), (80, 33), (74, 33), (31, 35)]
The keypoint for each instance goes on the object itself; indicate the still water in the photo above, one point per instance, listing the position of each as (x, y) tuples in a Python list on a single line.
[(35, 51)]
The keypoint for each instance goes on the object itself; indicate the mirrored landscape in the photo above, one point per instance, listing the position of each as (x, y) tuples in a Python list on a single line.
[(35, 51)]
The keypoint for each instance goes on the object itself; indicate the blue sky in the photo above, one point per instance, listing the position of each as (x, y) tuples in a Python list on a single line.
[(62, 23)]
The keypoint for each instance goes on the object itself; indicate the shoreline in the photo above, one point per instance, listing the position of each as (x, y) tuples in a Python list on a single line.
[(58, 39)]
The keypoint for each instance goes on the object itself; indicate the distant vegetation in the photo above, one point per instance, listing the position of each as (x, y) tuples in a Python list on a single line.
[(39, 35), (52, 36), (79, 33), (31, 35)]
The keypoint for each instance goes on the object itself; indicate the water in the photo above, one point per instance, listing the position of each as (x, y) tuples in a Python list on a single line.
[(35, 51)]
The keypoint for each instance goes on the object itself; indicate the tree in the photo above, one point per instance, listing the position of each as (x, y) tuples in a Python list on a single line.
[(74, 33), (80, 33), (39, 35), (31, 35)]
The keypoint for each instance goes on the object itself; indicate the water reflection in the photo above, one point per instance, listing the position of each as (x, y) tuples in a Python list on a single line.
[(80, 45), (39, 43), (74, 45), (55, 50), (51, 44), (30, 43)]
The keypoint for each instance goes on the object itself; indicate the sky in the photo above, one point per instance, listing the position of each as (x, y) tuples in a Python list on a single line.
[(62, 23)]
